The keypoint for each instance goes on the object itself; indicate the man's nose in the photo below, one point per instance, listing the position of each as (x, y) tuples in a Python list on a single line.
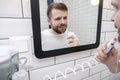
[(113, 17), (63, 21)]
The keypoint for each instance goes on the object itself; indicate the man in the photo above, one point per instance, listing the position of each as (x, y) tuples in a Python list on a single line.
[(111, 60), (57, 36)]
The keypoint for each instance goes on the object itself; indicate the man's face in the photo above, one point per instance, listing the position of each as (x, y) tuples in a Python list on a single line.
[(116, 16), (58, 21)]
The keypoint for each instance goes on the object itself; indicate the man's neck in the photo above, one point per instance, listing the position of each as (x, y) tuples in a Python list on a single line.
[(53, 32)]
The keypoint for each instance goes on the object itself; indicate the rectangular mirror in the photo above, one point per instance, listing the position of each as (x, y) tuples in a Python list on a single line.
[(83, 21)]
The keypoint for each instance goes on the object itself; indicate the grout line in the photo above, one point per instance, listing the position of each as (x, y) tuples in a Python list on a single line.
[(17, 17), (4, 38), (22, 8)]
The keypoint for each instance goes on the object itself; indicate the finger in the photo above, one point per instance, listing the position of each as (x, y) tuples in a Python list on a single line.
[(101, 52), (114, 52), (104, 45), (70, 40), (96, 57), (72, 44), (99, 58), (71, 37)]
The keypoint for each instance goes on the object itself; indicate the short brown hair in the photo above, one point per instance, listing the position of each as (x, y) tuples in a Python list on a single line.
[(59, 6)]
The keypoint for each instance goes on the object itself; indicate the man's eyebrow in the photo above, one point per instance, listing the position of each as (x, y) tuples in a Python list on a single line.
[(114, 4), (111, 3)]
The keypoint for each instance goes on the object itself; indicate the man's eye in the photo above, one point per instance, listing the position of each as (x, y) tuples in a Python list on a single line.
[(65, 17), (116, 8), (57, 19)]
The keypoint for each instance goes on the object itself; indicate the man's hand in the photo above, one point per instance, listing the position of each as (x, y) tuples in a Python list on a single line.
[(72, 41), (109, 59)]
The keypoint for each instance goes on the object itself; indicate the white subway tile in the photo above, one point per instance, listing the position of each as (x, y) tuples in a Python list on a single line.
[(97, 68), (37, 63), (32, 45), (115, 76), (15, 27), (107, 4), (104, 14), (110, 35), (107, 26), (22, 45), (72, 56), (93, 52), (21, 42), (107, 14), (110, 14), (4, 41), (10, 8), (105, 73), (38, 74), (26, 8), (106, 78), (93, 77), (102, 37), (27, 76)]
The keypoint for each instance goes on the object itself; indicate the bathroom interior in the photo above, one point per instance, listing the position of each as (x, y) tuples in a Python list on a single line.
[(21, 53)]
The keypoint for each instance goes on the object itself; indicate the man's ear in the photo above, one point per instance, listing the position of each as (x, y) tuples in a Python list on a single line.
[(49, 21)]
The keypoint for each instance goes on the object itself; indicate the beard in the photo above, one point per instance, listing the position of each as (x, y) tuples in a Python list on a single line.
[(118, 32), (60, 29), (119, 38)]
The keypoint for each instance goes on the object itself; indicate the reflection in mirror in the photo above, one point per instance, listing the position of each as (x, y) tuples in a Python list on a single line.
[(83, 20), (58, 36)]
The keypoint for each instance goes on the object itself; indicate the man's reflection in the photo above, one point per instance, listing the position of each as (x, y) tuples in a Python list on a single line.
[(57, 36)]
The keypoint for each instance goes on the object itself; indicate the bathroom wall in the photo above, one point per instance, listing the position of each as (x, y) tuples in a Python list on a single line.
[(16, 24), (81, 23)]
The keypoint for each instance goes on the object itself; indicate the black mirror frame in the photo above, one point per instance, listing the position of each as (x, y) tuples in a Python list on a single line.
[(37, 36)]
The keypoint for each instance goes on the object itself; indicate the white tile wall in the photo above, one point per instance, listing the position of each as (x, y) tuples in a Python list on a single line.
[(15, 27), (102, 38), (98, 68), (107, 4), (104, 14), (94, 77), (115, 76), (15, 20), (37, 63), (70, 57), (105, 73), (107, 26), (38, 74), (93, 52), (110, 35), (110, 14), (4, 41), (26, 8), (20, 42), (10, 8), (107, 78)]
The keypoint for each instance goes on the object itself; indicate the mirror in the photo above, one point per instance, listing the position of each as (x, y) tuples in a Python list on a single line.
[(84, 20)]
